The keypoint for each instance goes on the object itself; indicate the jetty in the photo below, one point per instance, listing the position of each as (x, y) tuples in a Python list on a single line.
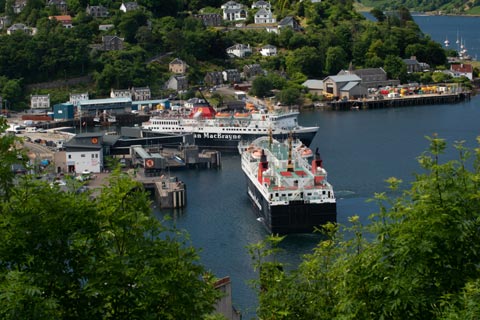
[(379, 102)]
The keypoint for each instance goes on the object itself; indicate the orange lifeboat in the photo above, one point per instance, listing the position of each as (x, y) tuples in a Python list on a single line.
[(257, 153), (222, 115), (241, 115), (305, 152)]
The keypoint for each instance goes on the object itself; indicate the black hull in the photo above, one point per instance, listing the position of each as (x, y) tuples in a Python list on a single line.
[(230, 143), (297, 217)]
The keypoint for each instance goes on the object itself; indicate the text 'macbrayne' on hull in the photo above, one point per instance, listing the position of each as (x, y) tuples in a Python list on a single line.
[(223, 130), (287, 185)]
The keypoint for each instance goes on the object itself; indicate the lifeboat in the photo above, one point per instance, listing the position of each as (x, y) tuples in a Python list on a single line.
[(241, 115), (222, 115), (304, 152), (257, 153)]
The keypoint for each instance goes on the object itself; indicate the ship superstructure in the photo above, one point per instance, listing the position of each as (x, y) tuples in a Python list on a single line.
[(225, 129), (287, 184)]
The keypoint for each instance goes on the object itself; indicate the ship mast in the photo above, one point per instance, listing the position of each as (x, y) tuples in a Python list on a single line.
[(290, 163), (270, 138)]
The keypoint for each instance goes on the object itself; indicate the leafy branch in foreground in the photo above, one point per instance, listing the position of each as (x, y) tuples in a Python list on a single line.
[(67, 255), (421, 262)]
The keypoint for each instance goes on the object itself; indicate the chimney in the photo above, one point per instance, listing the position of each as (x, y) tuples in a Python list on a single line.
[(262, 166)]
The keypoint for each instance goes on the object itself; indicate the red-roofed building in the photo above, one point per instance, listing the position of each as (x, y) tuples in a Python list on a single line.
[(65, 20), (462, 69)]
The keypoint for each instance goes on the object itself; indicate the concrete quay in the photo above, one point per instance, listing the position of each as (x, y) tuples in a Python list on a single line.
[(404, 101)]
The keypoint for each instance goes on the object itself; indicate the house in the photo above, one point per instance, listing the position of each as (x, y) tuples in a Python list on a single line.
[(289, 22), (252, 70), (191, 103), (120, 93), (413, 65), (21, 27), (40, 101), (129, 6), (177, 83), (344, 86), (264, 16), (65, 20), (239, 50), (177, 66), (97, 11), (371, 77), (462, 69), (84, 152), (213, 78), (268, 50), (75, 98), (210, 19), (233, 11), (5, 22), (141, 93), (61, 5), (110, 43), (18, 6), (231, 76), (261, 5), (314, 86)]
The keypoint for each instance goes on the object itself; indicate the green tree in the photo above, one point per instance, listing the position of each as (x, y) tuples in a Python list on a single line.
[(261, 86), (395, 68), (65, 255), (289, 96), (336, 60)]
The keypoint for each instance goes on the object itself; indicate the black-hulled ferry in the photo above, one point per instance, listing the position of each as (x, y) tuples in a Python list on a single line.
[(224, 130), (287, 185)]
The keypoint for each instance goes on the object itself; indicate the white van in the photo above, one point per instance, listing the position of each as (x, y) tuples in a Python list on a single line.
[(31, 129)]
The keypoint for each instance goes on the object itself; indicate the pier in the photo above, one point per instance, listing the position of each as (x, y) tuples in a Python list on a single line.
[(404, 101), (155, 159)]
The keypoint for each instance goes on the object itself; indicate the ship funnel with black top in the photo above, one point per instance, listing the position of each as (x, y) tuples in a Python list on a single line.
[(317, 171), (262, 166)]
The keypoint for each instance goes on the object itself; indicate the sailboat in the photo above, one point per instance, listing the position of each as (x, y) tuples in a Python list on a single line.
[(446, 42)]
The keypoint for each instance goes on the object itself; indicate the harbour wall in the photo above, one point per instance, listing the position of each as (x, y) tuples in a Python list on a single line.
[(416, 100)]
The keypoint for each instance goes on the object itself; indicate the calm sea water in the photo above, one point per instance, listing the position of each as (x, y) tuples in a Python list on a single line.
[(360, 150)]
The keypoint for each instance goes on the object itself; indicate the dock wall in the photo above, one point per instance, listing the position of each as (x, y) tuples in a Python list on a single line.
[(417, 100)]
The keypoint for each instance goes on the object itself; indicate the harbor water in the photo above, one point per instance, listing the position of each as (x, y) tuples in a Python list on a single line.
[(360, 149)]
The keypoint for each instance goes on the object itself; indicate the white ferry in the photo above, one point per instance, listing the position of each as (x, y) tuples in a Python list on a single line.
[(287, 185), (223, 130)]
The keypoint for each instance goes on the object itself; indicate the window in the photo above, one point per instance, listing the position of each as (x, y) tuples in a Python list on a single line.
[(69, 156), (83, 156)]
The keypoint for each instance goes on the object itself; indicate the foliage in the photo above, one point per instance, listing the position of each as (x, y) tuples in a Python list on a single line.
[(333, 35), (420, 260), (289, 96), (261, 86), (69, 255)]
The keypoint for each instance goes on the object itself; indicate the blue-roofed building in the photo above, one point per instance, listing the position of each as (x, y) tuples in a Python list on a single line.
[(109, 105), (63, 111)]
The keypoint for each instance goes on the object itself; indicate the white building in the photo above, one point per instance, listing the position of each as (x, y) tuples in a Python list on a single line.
[(239, 50), (264, 16), (40, 101), (84, 152), (76, 97), (261, 5), (233, 11), (268, 50)]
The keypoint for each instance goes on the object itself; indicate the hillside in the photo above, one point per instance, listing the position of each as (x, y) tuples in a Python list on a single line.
[(439, 6)]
